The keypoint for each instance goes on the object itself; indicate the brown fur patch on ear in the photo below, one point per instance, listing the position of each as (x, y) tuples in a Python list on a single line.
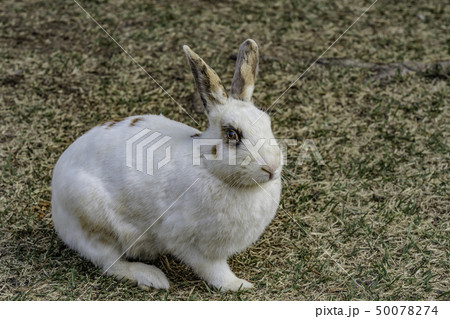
[(206, 79), (196, 135), (135, 120), (245, 73)]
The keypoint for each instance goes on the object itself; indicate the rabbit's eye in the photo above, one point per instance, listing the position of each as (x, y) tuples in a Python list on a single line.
[(232, 135)]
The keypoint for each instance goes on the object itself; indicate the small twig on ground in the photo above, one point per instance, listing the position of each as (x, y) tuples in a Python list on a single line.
[(385, 72)]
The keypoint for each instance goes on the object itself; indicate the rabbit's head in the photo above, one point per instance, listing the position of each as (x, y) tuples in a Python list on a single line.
[(238, 146)]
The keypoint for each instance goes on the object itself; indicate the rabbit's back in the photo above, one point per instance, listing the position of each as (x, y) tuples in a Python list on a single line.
[(103, 148)]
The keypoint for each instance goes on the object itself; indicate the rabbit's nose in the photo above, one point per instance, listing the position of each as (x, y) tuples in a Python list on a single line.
[(269, 169)]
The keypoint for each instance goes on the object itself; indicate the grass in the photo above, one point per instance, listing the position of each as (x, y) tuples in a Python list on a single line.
[(370, 224)]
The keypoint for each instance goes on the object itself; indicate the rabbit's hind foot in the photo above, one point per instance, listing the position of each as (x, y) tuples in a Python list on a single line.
[(145, 276)]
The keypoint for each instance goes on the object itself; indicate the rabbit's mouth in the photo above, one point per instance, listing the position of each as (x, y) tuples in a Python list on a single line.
[(246, 179), (268, 171), (267, 176), (271, 172)]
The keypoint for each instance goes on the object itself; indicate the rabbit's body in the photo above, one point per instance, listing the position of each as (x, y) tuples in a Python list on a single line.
[(109, 212)]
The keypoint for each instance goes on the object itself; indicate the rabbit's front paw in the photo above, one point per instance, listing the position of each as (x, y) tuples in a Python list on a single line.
[(236, 284)]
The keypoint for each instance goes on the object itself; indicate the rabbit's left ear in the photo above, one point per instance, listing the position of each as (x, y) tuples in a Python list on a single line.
[(207, 81), (245, 72)]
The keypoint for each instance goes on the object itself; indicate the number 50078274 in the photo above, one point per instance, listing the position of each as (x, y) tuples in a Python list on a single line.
[(406, 310)]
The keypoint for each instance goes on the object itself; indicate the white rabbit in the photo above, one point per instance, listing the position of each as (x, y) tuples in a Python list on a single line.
[(201, 214)]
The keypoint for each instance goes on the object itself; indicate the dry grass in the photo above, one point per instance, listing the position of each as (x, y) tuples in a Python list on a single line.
[(373, 223)]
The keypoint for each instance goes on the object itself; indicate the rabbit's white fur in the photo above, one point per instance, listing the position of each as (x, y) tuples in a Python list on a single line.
[(101, 207)]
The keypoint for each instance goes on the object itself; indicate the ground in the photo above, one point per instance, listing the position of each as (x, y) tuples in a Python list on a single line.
[(370, 223)]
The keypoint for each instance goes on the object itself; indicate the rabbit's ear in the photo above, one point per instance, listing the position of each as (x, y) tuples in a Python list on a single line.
[(207, 81), (245, 72)]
